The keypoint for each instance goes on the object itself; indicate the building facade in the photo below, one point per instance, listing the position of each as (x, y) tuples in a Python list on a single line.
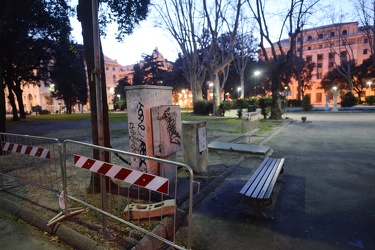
[(34, 95), (326, 46)]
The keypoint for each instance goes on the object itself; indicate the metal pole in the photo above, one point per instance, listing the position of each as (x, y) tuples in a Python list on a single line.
[(99, 102)]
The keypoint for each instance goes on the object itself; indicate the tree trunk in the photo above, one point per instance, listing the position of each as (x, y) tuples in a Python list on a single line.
[(2, 105), (85, 17), (242, 83), (10, 84), (18, 92), (276, 113)]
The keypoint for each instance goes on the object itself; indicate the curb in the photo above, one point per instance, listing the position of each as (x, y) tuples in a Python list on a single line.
[(64, 233), (286, 123)]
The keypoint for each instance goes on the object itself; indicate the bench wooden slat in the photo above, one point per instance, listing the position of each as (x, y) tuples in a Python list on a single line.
[(280, 163), (258, 184), (255, 175), (266, 181), (261, 183)]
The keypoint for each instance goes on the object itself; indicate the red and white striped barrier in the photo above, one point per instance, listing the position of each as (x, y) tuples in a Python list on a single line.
[(26, 150), (138, 178)]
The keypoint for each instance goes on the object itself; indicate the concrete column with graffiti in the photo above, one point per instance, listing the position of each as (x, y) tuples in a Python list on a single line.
[(140, 99)]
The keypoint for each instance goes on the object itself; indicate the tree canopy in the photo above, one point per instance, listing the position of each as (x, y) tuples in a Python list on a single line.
[(29, 31)]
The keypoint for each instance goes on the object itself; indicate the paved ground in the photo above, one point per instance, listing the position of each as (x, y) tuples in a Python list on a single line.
[(326, 199), (16, 234)]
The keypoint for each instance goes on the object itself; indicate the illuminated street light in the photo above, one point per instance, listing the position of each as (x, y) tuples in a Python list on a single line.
[(238, 90), (256, 74), (119, 97), (369, 83)]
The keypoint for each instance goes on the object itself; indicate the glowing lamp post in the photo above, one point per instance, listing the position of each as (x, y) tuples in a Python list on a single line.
[(369, 83), (238, 91)]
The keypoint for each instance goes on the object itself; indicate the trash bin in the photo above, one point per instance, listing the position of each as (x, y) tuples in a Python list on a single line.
[(251, 108)]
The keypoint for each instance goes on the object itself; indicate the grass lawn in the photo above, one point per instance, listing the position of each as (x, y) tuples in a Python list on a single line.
[(214, 123)]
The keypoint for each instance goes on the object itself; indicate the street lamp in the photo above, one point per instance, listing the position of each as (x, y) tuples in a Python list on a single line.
[(119, 97), (256, 74), (369, 83), (211, 87), (238, 90), (285, 100)]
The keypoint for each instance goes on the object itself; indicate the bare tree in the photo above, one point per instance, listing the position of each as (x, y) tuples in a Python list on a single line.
[(294, 20), (184, 23), (221, 17), (366, 14), (244, 49), (341, 55)]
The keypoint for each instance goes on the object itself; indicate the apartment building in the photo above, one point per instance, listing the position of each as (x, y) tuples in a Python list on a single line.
[(325, 45)]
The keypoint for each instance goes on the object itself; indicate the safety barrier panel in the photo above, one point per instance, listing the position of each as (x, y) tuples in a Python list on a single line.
[(65, 177), (139, 200), (28, 163)]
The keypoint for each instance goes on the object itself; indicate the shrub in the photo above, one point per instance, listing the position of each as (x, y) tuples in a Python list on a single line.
[(349, 100), (44, 112), (306, 103), (239, 113), (294, 103), (263, 103), (224, 106), (203, 107), (370, 100)]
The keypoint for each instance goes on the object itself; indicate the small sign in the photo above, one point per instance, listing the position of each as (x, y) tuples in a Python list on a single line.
[(202, 139)]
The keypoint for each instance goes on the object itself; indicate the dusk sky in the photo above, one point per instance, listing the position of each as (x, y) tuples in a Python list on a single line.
[(145, 38)]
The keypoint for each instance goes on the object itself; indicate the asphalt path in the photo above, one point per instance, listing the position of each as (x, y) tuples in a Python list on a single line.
[(325, 199), (16, 234)]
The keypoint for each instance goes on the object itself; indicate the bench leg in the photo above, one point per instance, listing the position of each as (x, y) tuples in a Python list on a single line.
[(258, 207)]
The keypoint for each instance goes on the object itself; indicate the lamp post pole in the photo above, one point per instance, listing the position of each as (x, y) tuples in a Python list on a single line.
[(286, 100)]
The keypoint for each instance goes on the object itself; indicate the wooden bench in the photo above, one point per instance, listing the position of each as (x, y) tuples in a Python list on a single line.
[(258, 189)]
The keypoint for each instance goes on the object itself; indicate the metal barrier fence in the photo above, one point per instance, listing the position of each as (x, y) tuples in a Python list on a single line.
[(145, 200), (67, 172), (29, 163)]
